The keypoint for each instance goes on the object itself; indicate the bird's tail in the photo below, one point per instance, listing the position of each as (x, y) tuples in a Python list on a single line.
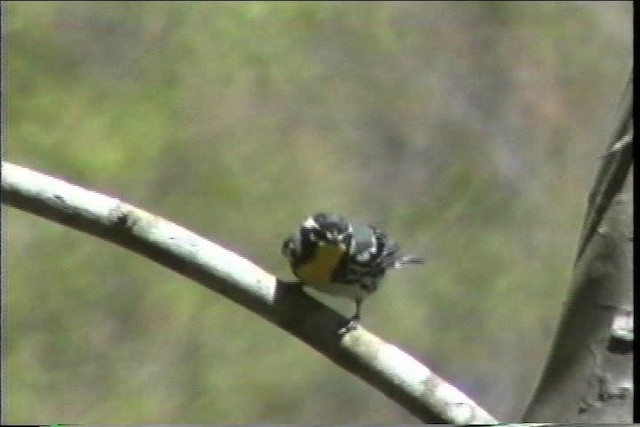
[(408, 259)]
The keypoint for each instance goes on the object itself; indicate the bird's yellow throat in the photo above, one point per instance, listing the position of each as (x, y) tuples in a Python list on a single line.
[(322, 264)]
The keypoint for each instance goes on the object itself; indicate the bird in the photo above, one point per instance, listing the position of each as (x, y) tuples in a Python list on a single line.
[(342, 258)]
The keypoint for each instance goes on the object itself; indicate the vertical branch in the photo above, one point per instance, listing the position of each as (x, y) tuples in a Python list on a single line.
[(588, 377)]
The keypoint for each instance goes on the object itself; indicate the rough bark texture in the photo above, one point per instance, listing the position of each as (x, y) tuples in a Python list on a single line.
[(589, 374)]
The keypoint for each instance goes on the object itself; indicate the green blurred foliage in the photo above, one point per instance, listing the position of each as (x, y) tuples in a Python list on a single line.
[(470, 131)]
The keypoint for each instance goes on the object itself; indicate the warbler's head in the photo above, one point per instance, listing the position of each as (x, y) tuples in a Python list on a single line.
[(323, 227), (318, 229)]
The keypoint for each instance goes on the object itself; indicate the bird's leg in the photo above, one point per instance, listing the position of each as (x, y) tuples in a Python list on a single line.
[(353, 321)]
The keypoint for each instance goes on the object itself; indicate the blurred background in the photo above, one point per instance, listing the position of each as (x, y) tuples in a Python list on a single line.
[(469, 131)]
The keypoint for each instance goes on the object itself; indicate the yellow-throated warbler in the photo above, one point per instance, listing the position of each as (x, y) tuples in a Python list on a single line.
[(341, 258)]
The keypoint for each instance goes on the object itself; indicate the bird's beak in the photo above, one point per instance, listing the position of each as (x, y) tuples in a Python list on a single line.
[(336, 236)]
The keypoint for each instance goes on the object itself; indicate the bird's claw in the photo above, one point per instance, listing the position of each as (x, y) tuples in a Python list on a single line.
[(350, 326)]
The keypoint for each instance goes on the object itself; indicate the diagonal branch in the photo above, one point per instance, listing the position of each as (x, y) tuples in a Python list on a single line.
[(383, 365)]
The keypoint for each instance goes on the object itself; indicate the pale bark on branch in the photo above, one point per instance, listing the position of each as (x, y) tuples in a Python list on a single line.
[(383, 365)]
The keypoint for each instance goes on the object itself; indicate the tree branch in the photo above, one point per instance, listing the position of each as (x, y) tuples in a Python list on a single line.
[(383, 365), (588, 376)]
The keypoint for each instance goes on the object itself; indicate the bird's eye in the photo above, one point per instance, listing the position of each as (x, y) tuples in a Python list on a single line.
[(310, 234)]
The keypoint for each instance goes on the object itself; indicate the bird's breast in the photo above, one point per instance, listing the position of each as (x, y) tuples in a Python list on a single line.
[(318, 273), (319, 270)]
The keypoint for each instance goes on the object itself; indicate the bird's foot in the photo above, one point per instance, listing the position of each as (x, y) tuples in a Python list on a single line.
[(350, 326)]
